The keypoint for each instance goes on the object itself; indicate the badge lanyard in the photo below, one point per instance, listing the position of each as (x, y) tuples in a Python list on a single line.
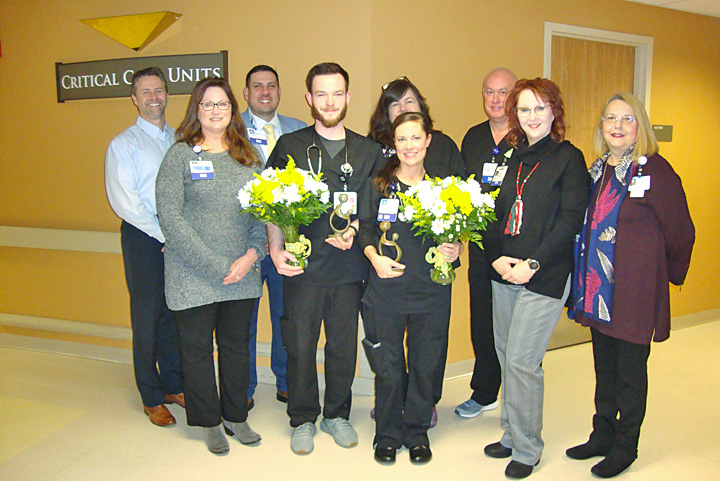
[(492, 173), (199, 169), (388, 209), (639, 183)]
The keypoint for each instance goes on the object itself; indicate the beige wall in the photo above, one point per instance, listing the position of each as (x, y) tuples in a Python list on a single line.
[(52, 154)]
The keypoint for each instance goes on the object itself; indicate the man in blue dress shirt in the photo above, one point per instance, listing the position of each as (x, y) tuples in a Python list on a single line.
[(264, 126), (131, 165)]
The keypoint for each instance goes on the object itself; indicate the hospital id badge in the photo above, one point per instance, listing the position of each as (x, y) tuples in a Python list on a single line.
[(257, 137), (350, 206), (499, 175), (488, 172), (638, 185), (202, 170), (388, 210)]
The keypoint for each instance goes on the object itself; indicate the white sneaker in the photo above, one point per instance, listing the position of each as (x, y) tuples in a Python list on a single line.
[(341, 430), (471, 408), (301, 440)]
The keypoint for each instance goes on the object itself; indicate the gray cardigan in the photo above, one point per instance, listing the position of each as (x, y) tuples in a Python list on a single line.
[(204, 229)]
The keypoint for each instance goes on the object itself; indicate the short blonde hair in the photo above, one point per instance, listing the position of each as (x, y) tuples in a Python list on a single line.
[(645, 144)]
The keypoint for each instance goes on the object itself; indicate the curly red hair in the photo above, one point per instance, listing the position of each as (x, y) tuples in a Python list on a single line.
[(545, 90)]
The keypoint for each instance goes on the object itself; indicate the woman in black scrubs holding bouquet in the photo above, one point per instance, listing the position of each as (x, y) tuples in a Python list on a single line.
[(402, 297)]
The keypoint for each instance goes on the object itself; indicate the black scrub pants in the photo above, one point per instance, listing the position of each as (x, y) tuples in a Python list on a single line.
[(156, 347), (306, 307), (621, 388), (402, 414), (485, 381), (230, 321)]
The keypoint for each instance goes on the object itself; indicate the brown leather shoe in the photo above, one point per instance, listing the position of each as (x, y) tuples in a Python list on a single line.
[(282, 396), (159, 415), (178, 399)]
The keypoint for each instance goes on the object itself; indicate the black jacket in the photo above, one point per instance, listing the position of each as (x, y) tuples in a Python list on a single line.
[(554, 200)]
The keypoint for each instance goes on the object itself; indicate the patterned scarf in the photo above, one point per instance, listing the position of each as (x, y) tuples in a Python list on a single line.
[(595, 247)]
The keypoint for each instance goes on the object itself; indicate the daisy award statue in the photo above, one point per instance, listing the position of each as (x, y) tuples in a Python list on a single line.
[(385, 227)]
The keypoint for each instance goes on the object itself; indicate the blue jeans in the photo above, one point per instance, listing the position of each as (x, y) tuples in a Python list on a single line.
[(278, 355)]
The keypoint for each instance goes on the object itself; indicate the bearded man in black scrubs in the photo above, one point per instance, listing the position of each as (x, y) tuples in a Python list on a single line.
[(331, 287), (484, 148)]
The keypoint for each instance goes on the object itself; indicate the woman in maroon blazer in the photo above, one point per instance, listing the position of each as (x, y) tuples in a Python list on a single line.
[(638, 237)]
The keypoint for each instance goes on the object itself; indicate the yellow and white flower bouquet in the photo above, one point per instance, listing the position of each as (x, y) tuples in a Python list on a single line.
[(288, 198), (447, 210)]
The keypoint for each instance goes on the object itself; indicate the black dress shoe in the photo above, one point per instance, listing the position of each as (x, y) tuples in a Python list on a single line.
[(420, 454), (497, 450), (587, 451), (518, 470), (385, 455)]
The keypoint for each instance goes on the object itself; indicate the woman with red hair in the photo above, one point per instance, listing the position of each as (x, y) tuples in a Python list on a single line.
[(539, 210)]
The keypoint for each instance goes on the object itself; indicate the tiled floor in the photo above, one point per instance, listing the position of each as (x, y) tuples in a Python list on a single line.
[(71, 419)]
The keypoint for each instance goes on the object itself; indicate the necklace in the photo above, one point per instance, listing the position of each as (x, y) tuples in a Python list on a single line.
[(516, 212)]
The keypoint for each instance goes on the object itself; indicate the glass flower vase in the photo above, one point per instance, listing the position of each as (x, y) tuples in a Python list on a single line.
[(443, 272), (296, 244)]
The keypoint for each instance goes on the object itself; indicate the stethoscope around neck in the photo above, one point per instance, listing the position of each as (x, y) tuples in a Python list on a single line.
[(346, 168), (319, 150)]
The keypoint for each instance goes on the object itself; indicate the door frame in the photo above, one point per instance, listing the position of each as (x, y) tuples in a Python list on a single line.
[(643, 52)]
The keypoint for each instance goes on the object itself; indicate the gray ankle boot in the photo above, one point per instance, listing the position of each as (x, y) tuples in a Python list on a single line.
[(243, 432), (216, 441)]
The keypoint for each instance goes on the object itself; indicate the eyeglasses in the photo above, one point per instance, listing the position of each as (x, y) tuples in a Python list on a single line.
[(207, 106), (539, 110), (614, 119), (399, 78)]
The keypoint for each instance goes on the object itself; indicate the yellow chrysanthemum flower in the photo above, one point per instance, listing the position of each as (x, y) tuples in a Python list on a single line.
[(456, 199), (291, 177)]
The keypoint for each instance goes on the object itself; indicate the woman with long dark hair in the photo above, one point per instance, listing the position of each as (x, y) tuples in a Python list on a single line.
[(211, 258), (399, 96), (401, 298), (442, 159)]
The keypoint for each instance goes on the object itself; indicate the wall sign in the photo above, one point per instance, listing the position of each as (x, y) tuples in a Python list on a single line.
[(111, 78), (663, 133)]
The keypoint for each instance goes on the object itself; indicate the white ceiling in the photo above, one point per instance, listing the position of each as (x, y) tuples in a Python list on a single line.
[(703, 7)]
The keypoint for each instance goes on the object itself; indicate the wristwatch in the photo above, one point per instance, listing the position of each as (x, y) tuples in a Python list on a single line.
[(533, 264)]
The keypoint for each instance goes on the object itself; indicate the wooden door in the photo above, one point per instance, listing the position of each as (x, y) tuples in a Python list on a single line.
[(588, 73)]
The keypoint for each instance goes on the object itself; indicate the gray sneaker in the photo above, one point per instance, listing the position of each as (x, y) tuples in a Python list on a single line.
[(301, 440), (471, 408), (341, 431)]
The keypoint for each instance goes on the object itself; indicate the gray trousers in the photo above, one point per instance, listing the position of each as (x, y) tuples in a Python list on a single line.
[(523, 323)]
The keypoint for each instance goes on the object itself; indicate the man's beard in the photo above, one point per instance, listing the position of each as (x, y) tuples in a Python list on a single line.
[(328, 124)]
